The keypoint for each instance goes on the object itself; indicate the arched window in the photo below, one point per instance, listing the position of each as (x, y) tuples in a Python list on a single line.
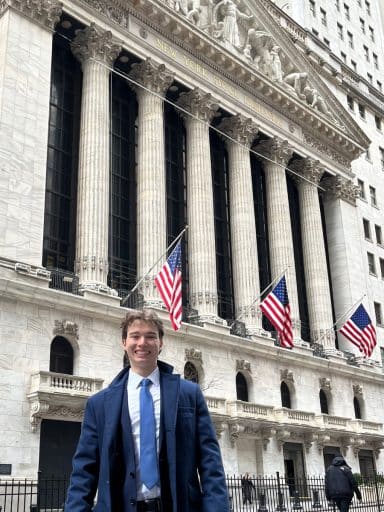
[(356, 405), (241, 388), (191, 373), (61, 358), (285, 395), (323, 402)]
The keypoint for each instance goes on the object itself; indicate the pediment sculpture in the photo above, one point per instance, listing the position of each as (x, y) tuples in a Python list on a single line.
[(236, 28)]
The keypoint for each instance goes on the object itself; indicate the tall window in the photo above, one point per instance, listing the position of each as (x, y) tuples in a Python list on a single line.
[(371, 34), (366, 52), (62, 158), (323, 402), (381, 151), (372, 195), (350, 39), (378, 313), (285, 395), (379, 236), (346, 11), (357, 408), (360, 184), (375, 60), (241, 388), (371, 263), (222, 227), (312, 8), (260, 204), (299, 262), (122, 244), (340, 31), (323, 17), (176, 185), (367, 229), (61, 356)]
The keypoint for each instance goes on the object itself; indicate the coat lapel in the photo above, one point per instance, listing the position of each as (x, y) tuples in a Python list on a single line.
[(113, 400)]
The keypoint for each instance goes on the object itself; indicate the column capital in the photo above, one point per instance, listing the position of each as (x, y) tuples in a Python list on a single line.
[(199, 103), (45, 12), (95, 43), (338, 187), (239, 128), (151, 75), (310, 169), (275, 149)]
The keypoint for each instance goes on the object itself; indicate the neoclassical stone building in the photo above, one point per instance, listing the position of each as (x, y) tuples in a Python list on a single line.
[(120, 124)]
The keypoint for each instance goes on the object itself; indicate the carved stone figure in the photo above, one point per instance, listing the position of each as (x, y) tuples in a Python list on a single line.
[(225, 16), (297, 81), (276, 72), (190, 8), (257, 49), (315, 100)]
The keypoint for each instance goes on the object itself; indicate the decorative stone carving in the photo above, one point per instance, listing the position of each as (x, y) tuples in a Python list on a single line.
[(340, 188), (45, 12), (275, 149), (219, 427), (286, 375), (152, 76), (225, 21), (66, 328), (357, 390), (235, 430), (336, 156), (243, 365), (309, 439), (315, 100), (239, 128), (198, 103), (190, 8), (296, 83), (266, 435), (95, 43), (37, 410), (322, 440), (282, 437), (325, 383), (310, 169), (193, 354)]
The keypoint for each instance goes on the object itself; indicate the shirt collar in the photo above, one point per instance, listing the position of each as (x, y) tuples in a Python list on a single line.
[(134, 379)]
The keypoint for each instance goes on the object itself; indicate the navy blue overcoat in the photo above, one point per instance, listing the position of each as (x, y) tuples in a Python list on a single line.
[(195, 471)]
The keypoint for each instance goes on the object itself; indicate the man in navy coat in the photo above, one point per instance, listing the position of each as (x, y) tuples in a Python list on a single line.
[(107, 460)]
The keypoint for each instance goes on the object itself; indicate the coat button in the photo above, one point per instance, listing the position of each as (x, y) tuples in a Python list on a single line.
[(132, 474), (133, 502)]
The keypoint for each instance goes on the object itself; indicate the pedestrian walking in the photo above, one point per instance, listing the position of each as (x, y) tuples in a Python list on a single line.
[(340, 484), (247, 489), (147, 442)]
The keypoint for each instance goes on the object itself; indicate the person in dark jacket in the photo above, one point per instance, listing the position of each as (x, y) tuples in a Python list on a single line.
[(247, 489), (340, 484)]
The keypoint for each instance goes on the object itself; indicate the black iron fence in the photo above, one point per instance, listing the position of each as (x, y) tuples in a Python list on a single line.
[(261, 494), (284, 494)]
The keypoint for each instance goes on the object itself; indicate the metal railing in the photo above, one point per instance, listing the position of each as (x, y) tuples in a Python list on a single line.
[(265, 494), (64, 280)]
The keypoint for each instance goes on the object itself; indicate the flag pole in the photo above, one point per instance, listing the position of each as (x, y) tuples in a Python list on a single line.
[(174, 242), (340, 317), (262, 293)]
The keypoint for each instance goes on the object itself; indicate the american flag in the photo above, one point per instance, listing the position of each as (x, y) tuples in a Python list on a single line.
[(168, 282), (360, 331), (276, 308)]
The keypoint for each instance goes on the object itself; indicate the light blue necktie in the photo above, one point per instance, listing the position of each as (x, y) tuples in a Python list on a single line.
[(148, 449)]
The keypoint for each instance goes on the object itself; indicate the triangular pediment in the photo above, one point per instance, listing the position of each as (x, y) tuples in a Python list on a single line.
[(247, 40)]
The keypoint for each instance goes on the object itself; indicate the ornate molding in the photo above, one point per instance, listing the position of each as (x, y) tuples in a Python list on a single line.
[(327, 150), (198, 298), (282, 436), (275, 149), (325, 384), (193, 354), (235, 430), (95, 43), (286, 375), (357, 390), (198, 103), (240, 129), (243, 365), (310, 169), (340, 188), (66, 328), (44, 12), (152, 76)]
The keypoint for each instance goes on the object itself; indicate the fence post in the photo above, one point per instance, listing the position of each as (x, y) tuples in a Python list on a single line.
[(316, 499), (262, 502), (38, 491), (377, 490), (296, 501), (280, 498)]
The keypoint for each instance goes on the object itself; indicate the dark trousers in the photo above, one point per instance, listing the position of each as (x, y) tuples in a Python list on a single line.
[(343, 504)]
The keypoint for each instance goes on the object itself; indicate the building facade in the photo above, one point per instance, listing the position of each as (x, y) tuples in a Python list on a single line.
[(122, 123)]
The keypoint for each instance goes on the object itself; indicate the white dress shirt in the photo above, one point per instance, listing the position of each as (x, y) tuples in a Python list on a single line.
[(133, 389)]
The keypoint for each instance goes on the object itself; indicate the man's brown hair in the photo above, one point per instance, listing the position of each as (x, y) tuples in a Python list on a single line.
[(146, 315)]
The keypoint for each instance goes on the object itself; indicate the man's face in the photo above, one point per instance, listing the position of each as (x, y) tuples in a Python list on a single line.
[(142, 346)]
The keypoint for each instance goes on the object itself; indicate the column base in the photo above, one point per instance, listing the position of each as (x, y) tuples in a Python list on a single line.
[(97, 287), (154, 303)]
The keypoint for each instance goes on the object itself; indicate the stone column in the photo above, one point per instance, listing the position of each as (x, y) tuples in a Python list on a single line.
[(347, 260), (277, 153), (201, 233), (26, 30), (245, 265), (96, 51), (151, 179), (315, 262)]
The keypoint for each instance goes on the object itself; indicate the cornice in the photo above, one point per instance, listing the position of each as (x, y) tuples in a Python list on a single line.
[(162, 20)]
